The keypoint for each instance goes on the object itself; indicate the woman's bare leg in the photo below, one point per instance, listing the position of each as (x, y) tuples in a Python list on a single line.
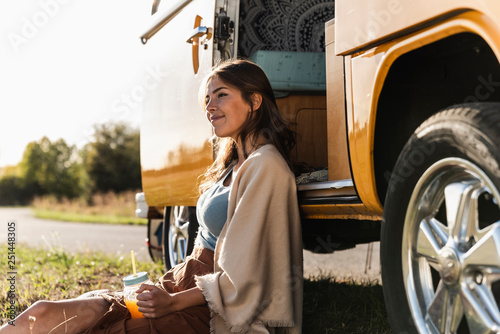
[(84, 312)]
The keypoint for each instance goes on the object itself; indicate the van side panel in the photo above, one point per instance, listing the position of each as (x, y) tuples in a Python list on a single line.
[(175, 134), (362, 24), (368, 72)]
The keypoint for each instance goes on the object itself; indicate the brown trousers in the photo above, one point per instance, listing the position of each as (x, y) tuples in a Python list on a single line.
[(191, 320)]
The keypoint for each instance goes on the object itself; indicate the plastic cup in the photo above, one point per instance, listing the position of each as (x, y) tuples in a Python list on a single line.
[(132, 283)]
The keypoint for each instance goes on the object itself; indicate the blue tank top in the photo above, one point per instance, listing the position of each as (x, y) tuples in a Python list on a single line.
[(211, 212)]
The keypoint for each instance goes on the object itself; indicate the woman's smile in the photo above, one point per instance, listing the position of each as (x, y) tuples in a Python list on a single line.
[(215, 118)]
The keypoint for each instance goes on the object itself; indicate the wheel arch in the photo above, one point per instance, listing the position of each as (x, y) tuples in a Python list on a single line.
[(457, 68)]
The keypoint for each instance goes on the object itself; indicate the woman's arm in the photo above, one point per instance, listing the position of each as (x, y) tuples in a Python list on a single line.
[(154, 302)]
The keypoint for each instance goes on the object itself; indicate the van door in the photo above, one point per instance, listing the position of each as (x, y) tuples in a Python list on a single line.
[(175, 135)]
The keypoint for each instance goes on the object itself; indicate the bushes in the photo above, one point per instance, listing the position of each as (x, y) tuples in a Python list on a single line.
[(15, 191)]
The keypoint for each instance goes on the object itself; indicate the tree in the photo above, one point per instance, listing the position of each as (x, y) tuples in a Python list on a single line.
[(15, 191), (112, 159), (54, 168)]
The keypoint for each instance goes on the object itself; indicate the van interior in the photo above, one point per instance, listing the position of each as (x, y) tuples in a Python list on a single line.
[(287, 39)]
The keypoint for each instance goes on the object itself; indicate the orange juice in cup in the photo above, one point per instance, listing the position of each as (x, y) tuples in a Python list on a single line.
[(132, 283), (134, 309)]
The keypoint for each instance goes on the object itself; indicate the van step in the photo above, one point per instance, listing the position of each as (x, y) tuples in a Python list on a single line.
[(327, 189), (329, 192)]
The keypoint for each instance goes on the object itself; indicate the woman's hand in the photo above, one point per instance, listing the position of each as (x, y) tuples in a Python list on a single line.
[(154, 302)]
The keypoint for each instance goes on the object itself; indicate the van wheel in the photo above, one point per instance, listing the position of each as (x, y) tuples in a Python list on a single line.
[(154, 240), (179, 230), (440, 238)]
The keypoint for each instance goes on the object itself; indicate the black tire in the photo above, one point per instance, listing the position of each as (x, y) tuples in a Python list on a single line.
[(428, 261), (155, 239), (179, 232)]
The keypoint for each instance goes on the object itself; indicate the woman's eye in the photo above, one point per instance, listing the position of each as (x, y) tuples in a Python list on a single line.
[(221, 95)]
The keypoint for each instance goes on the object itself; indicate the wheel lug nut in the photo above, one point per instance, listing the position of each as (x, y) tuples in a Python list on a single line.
[(478, 277)]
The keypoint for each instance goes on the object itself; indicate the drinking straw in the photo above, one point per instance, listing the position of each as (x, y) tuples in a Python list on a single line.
[(133, 262)]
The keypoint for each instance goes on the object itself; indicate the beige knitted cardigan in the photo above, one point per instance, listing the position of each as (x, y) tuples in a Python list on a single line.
[(257, 282)]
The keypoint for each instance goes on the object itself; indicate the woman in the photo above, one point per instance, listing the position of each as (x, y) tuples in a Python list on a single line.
[(245, 274)]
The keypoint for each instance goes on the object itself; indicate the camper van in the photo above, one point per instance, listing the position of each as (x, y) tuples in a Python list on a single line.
[(396, 106)]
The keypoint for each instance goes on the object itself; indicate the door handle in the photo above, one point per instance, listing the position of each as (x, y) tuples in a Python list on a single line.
[(194, 39), (197, 33)]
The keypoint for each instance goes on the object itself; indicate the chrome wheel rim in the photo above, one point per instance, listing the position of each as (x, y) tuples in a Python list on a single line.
[(178, 234), (451, 249)]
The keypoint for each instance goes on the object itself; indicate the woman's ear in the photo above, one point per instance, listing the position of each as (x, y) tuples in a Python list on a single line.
[(256, 101)]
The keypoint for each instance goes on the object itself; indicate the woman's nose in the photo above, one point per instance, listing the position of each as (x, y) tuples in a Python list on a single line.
[(210, 106)]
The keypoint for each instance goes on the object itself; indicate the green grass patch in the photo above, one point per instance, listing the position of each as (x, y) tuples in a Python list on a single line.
[(330, 306), (87, 218), (55, 274), (346, 306)]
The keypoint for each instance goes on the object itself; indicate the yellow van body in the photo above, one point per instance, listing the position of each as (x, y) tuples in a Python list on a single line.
[(399, 74)]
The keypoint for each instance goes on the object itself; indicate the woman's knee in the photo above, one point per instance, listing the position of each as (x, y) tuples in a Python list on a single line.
[(41, 308)]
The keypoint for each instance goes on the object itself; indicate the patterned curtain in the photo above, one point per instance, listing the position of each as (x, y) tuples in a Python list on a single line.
[(283, 25)]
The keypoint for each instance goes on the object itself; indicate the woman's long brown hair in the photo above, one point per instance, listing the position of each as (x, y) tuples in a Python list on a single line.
[(264, 123)]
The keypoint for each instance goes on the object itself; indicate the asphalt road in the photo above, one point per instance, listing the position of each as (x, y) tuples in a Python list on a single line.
[(119, 240)]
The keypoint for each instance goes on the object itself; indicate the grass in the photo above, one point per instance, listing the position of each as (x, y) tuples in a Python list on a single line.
[(330, 306), (55, 274), (345, 306), (109, 208)]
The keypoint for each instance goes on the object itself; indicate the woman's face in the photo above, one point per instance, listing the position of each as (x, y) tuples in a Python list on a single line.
[(225, 108)]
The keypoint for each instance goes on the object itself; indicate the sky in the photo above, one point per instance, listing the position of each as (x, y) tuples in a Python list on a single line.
[(66, 65)]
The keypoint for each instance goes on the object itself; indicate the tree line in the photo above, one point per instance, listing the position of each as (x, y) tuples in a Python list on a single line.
[(109, 162)]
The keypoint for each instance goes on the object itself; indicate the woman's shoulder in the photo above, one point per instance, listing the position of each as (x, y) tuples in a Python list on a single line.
[(267, 158), (266, 153)]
